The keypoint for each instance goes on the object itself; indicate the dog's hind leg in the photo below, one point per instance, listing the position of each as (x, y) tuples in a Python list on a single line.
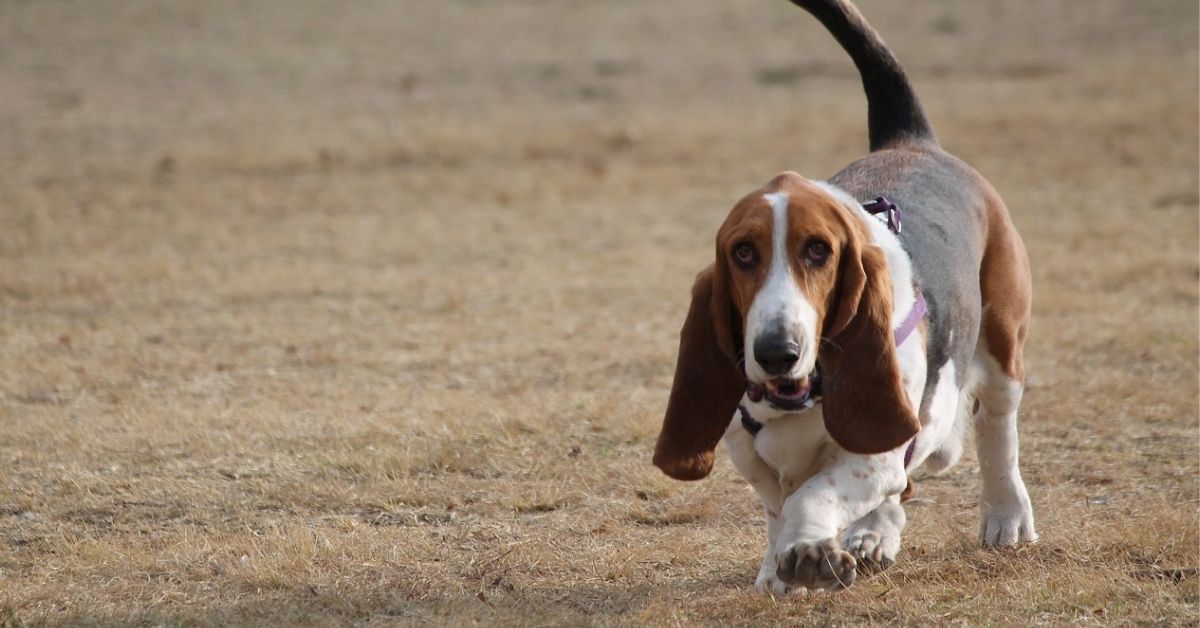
[(1006, 512)]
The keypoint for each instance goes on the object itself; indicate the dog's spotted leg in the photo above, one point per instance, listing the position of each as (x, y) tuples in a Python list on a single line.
[(847, 489)]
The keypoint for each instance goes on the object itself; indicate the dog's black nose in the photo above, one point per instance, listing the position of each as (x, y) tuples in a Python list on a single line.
[(776, 354)]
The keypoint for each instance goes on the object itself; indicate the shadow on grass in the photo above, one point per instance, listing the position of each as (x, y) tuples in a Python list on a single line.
[(406, 602)]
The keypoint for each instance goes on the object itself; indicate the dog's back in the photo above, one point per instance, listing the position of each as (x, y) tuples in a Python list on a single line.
[(969, 262), (964, 249)]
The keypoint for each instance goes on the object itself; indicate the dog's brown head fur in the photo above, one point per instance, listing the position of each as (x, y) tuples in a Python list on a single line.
[(843, 277)]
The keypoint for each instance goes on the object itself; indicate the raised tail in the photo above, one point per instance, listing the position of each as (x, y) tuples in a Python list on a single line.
[(894, 115)]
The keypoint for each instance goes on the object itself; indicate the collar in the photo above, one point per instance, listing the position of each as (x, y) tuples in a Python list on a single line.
[(753, 426), (918, 312)]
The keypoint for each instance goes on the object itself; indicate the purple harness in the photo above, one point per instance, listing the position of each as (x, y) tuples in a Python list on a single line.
[(919, 309), (907, 327)]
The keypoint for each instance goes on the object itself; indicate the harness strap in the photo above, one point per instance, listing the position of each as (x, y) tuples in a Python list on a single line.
[(881, 205), (910, 322)]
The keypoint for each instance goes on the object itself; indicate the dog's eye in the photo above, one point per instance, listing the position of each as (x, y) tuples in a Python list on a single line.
[(745, 255), (816, 252)]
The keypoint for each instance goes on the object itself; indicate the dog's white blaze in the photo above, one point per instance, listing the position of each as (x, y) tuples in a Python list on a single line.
[(781, 299)]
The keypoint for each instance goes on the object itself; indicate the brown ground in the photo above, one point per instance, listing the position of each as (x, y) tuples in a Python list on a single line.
[(319, 312)]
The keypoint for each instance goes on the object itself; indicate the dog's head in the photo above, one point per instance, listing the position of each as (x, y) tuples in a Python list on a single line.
[(796, 281)]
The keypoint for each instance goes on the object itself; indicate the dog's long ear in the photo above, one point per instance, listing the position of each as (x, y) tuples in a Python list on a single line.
[(708, 382), (866, 408)]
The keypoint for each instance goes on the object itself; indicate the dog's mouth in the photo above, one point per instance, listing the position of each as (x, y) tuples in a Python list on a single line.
[(786, 393)]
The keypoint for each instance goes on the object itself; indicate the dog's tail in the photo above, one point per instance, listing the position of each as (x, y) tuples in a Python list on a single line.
[(894, 115)]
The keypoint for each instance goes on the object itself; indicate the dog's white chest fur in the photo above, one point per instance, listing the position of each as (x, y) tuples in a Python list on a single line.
[(795, 446)]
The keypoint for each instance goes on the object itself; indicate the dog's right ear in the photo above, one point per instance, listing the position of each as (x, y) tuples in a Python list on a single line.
[(866, 408), (708, 381)]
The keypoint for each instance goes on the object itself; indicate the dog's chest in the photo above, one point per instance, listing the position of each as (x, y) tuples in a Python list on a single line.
[(795, 446)]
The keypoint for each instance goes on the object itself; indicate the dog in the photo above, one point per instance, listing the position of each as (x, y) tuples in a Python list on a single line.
[(836, 346)]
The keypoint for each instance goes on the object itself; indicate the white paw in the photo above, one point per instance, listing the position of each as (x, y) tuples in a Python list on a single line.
[(1007, 516), (874, 550), (816, 565)]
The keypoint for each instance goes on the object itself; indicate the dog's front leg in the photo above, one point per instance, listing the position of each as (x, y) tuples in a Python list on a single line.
[(740, 445), (848, 487)]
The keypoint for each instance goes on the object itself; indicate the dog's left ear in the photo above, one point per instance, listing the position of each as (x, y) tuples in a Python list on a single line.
[(708, 382), (866, 408)]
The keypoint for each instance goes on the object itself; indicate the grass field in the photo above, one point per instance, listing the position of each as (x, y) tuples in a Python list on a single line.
[(324, 313)]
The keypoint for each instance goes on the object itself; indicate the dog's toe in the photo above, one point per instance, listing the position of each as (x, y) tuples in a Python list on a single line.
[(1007, 516), (873, 551)]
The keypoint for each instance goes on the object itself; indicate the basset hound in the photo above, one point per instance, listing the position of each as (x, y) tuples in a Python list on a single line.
[(836, 347)]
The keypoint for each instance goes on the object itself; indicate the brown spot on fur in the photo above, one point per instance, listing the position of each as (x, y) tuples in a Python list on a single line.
[(1006, 286), (909, 491)]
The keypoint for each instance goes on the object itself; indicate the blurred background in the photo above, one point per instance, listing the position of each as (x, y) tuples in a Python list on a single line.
[(321, 312)]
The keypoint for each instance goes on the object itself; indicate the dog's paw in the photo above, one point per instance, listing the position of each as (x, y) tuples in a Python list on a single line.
[(874, 551), (816, 565), (1007, 516)]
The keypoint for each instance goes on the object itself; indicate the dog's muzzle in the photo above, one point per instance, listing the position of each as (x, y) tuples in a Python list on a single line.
[(787, 394)]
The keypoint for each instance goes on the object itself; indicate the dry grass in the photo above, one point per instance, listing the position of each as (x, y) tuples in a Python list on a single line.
[(327, 314)]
